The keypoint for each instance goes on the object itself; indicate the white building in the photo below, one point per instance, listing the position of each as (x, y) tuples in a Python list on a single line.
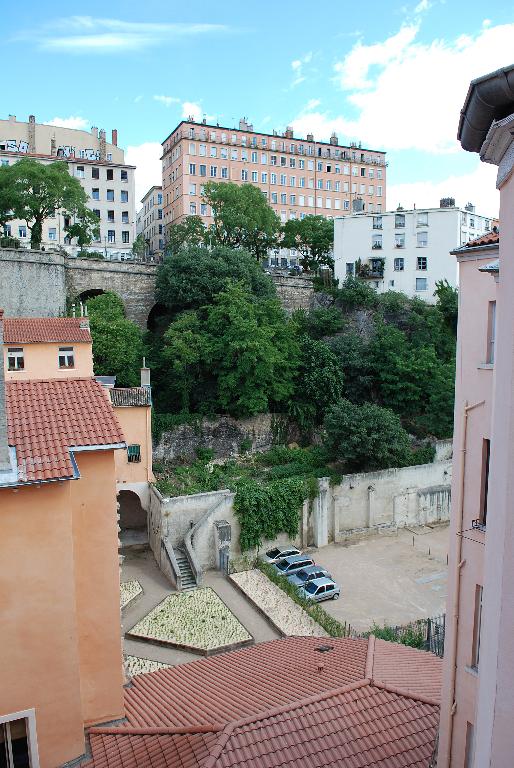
[(150, 222), (100, 167), (406, 251)]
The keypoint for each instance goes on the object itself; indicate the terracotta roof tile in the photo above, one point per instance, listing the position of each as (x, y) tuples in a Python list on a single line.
[(47, 418), (19, 330), (489, 238), (281, 704)]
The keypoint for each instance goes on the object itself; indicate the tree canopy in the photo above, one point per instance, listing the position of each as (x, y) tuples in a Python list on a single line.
[(313, 237), (117, 342), (36, 192), (190, 232), (193, 276), (242, 218)]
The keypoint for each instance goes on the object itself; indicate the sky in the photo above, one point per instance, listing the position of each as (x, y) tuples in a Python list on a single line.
[(392, 75)]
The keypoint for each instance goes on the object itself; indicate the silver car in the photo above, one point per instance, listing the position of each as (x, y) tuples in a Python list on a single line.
[(291, 564), (321, 589), (278, 553), (300, 578)]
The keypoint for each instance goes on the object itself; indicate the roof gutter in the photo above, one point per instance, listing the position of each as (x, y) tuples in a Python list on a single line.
[(489, 98)]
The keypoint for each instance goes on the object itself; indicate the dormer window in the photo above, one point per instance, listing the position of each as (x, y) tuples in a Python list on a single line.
[(15, 359), (66, 358)]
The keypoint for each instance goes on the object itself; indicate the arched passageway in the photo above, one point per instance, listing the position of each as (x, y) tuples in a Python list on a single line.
[(133, 520)]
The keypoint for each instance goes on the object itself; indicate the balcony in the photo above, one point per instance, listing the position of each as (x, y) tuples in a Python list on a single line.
[(372, 271), (376, 246)]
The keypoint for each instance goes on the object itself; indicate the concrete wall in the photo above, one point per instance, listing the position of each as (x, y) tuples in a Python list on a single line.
[(392, 497), (294, 292), (32, 283)]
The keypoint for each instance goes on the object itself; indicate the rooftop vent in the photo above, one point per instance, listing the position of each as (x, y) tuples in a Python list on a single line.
[(469, 207), (447, 202), (324, 648)]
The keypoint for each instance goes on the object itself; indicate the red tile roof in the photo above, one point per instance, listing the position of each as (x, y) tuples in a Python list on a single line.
[(283, 704), (31, 330), (489, 238), (47, 418)]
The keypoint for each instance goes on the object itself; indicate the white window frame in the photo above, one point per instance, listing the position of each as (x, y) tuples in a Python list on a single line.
[(67, 353), (30, 716)]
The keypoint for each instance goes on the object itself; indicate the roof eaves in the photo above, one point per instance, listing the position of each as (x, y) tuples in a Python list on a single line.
[(489, 98)]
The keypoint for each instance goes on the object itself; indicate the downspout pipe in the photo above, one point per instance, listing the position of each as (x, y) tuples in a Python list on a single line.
[(456, 583)]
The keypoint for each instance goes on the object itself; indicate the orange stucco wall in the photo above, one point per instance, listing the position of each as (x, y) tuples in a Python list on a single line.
[(41, 362), (136, 426), (59, 606)]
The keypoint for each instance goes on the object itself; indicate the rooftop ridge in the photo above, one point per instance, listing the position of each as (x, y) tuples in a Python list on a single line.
[(370, 657), (406, 694), (156, 730)]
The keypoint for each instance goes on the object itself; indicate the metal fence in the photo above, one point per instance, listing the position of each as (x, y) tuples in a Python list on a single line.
[(427, 634)]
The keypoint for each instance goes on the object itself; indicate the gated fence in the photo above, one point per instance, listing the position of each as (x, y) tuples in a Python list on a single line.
[(427, 634)]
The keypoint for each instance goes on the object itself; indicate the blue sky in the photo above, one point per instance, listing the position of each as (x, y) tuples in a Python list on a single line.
[(390, 74)]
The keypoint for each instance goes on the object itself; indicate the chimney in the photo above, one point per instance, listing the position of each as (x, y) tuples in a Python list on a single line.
[(334, 140), (103, 154), (94, 131), (145, 374), (447, 202), (114, 137), (32, 134), (289, 132), (5, 459), (310, 137)]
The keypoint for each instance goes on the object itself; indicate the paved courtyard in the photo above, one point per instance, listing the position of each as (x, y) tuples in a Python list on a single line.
[(391, 579)]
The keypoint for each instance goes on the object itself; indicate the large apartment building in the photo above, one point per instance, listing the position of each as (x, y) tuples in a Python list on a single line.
[(298, 176), (100, 167), (406, 250), (150, 222)]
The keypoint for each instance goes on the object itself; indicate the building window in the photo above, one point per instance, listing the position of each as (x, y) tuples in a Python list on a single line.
[(110, 174), (399, 220), (399, 264), (484, 484), (66, 358), (283, 198), (204, 210), (255, 177), (134, 454), (244, 175), (422, 220), (110, 217), (214, 171), (110, 196), (192, 209), (15, 359), (399, 240), (95, 194), (422, 239), (376, 242), (111, 236), (124, 196), (96, 211), (192, 169), (491, 332), (18, 743), (22, 231), (224, 172), (477, 627), (377, 222), (52, 233), (203, 170), (421, 262), (421, 284), (125, 237), (350, 267), (214, 152)]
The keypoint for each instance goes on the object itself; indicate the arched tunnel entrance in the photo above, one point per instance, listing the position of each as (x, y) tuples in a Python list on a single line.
[(133, 520)]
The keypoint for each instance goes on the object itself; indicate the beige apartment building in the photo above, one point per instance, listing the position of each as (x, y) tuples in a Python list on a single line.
[(100, 167), (299, 177), (150, 222)]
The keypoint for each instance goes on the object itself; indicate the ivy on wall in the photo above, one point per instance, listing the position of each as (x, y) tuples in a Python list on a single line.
[(265, 510)]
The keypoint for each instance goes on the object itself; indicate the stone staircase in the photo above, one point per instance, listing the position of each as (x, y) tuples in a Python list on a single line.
[(186, 574)]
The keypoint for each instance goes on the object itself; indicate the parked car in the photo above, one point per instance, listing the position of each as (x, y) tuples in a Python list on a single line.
[(308, 574), (321, 589), (291, 564), (278, 553)]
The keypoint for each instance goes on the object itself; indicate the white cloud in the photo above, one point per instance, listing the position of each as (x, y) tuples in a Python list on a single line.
[(477, 187), (167, 100), (407, 94), (146, 158), (192, 109), (86, 34), (298, 66), (69, 122)]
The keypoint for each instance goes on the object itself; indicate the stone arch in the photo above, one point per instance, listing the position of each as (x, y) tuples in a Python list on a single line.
[(133, 519), (91, 293), (157, 317)]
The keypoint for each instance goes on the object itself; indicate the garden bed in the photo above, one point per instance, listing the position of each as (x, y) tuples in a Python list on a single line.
[(281, 611), (196, 620), (135, 665), (129, 591)]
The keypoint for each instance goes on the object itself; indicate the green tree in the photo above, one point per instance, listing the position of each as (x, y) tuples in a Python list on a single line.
[(353, 355), (365, 437), (84, 227), (7, 196), (117, 342), (319, 383), (253, 349), (185, 350), (356, 294), (447, 302), (313, 236), (324, 321), (190, 232), (192, 277), (40, 191), (242, 218), (139, 246)]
